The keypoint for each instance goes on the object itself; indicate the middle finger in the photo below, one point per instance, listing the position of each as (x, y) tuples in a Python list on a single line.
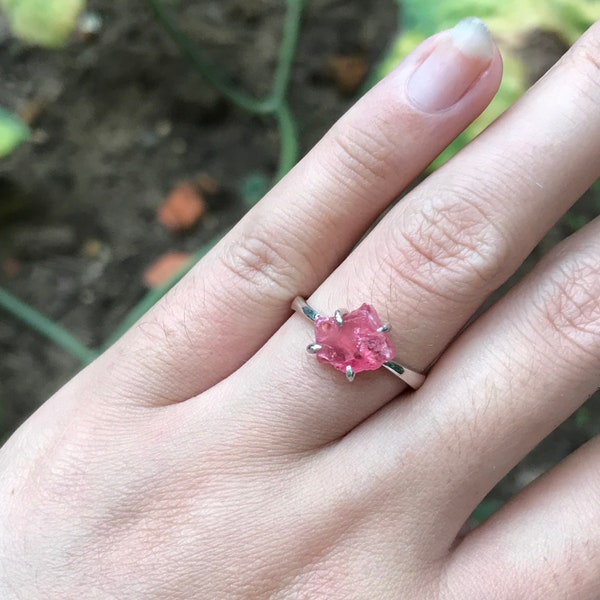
[(435, 258)]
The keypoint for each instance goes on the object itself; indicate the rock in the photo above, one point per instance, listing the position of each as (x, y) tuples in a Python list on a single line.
[(92, 248), (89, 25)]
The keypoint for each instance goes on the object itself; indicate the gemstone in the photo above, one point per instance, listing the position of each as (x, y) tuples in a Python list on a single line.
[(355, 343)]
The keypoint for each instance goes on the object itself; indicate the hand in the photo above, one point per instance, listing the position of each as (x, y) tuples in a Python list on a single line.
[(207, 456)]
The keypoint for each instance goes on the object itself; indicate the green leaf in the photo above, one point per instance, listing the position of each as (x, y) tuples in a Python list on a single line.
[(511, 21), (43, 22), (12, 132)]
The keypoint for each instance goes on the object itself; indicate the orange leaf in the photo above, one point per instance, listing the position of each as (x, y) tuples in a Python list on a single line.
[(164, 268), (182, 209)]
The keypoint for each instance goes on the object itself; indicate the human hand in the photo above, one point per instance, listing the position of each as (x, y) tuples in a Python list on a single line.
[(207, 456)]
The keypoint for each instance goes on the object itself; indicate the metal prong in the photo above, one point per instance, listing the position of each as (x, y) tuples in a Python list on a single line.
[(350, 374), (313, 348), (385, 327), (338, 315)]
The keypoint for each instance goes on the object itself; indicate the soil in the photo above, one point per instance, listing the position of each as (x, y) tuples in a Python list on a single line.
[(119, 118)]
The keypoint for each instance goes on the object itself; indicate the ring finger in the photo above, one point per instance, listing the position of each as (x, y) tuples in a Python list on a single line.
[(435, 258)]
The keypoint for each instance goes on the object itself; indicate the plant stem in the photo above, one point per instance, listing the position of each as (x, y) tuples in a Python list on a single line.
[(45, 327), (217, 79), (288, 141), (287, 52), (274, 103)]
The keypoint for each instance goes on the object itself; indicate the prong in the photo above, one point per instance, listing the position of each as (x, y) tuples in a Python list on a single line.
[(350, 374), (385, 327), (338, 315), (313, 348)]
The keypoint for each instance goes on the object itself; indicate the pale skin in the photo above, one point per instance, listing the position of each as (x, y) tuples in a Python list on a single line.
[(207, 455)]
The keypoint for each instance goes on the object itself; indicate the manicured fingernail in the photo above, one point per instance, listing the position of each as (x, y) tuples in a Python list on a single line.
[(460, 57)]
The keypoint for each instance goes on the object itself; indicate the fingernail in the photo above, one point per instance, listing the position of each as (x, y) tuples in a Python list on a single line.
[(460, 57)]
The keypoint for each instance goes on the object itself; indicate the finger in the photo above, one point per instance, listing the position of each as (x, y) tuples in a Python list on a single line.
[(232, 302), (544, 545), (512, 378), (440, 252)]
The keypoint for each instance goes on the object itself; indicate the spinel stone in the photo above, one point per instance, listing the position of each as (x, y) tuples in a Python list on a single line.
[(355, 343)]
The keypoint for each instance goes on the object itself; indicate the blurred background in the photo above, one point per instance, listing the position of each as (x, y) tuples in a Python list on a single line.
[(133, 134)]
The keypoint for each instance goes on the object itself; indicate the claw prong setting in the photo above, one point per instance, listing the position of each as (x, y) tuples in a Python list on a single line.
[(350, 374)]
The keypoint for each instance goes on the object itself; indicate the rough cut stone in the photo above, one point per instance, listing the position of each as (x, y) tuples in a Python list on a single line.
[(355, 343)]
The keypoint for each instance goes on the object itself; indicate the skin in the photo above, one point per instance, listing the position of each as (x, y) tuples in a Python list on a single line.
[(206, 455)]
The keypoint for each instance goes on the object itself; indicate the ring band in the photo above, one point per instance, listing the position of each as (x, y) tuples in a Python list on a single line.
[(355, 341)]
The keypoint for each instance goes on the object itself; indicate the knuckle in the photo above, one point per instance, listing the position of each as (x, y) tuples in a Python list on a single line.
[(452, 246), (260, 262), (571, 305), (362, 157)]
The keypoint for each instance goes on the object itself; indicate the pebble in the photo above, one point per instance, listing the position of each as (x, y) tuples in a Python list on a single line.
[(163, 128), (89, 25)]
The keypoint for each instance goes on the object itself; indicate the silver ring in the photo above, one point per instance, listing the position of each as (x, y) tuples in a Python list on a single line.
[(355, 341)]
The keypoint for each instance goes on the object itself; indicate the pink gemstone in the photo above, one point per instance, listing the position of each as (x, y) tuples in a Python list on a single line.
[(355, 343)]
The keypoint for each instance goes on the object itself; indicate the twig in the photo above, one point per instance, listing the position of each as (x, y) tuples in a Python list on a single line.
[(274, 102), (44, 326), (287, 52), (288, 145)]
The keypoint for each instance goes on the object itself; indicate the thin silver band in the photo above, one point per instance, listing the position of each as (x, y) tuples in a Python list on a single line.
[(412, 378)]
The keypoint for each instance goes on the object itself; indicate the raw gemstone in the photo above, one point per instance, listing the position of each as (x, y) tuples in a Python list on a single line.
[(355, 343)]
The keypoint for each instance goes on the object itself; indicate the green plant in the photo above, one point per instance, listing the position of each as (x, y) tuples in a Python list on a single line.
[(12, 132), (43, 22), (273, 104)]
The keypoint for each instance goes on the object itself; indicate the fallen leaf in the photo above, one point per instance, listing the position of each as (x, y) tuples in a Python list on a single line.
[(182, 209), (164, 268), (348, 72)]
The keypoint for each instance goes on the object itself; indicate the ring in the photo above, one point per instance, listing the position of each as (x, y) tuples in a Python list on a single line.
[(355, 341)]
